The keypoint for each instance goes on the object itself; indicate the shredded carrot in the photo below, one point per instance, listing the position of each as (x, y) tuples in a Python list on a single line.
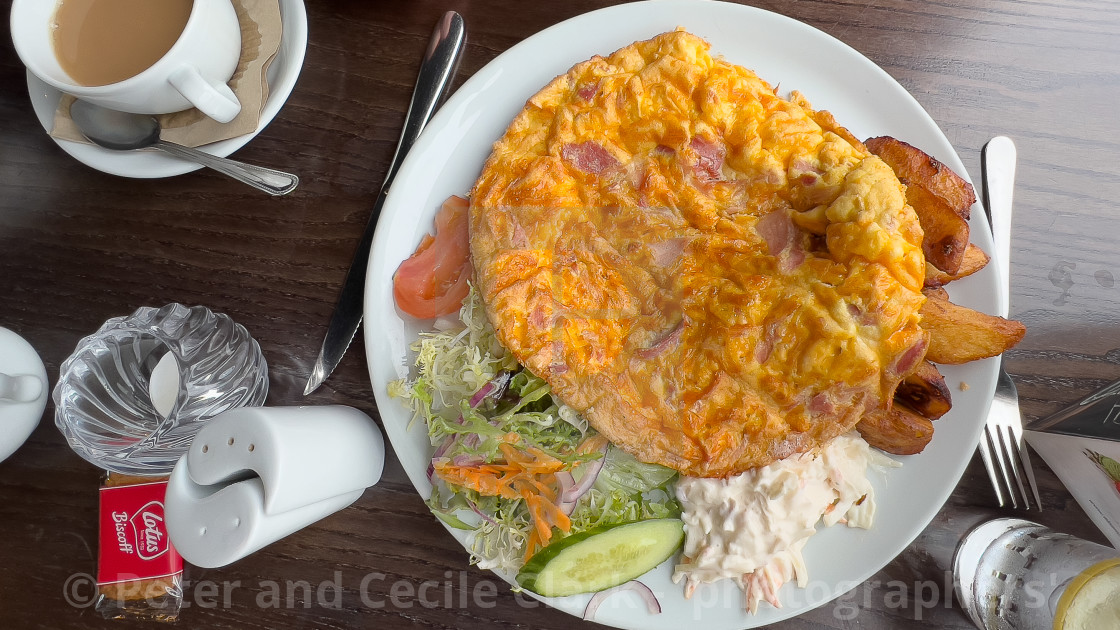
[(532, 544), (532, 460), (529, 474), (594, 443)]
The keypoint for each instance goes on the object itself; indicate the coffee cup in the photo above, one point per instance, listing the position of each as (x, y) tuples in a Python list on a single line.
[(193, 72)]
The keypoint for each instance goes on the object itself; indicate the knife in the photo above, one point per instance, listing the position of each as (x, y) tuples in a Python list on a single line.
[(436, 72)]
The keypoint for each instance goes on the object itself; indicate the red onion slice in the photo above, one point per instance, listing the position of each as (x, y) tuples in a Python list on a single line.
[(440, 450), (566, 481), (467, 460), (496, 388), (476, 510), (481, 394), (590, 474), (643, 591)]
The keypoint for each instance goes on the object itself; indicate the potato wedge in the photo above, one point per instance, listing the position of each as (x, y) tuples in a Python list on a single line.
[(898, 430), (935, 292), (919, 168), (946, 233), (958, 334), (925, 392), (974, 260)]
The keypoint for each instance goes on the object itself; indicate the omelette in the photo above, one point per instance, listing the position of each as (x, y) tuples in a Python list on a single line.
[(714, 276)]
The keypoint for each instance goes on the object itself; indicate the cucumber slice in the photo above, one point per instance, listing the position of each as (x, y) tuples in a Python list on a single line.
[(602, 557)]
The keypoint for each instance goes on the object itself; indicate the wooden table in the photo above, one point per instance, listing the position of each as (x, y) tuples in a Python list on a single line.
[(78, 246)]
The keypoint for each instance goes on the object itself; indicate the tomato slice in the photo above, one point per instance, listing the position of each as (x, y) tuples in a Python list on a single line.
[(433, 281)]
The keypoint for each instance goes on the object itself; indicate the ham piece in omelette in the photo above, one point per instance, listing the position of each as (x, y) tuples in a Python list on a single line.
[(714, 276)]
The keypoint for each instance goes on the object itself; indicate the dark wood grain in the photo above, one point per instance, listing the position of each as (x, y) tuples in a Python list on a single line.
[(78, 246)]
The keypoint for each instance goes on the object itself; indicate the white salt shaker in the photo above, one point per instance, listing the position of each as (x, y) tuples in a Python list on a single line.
[(257, 474)]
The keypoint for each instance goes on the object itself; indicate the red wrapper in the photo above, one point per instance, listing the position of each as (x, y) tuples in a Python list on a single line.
[(134, 541), (139, 573)]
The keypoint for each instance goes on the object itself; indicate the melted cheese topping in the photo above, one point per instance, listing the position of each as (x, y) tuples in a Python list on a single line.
[(715, 276)]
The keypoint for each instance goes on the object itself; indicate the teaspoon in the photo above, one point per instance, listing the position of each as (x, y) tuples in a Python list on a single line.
[(122, 131)]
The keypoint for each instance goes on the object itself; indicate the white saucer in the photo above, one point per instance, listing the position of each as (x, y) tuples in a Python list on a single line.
[(282, 75), (19, 419)]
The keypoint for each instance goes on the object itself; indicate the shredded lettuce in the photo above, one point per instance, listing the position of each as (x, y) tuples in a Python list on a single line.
[(452, 366), (623, 472), (626, 490)]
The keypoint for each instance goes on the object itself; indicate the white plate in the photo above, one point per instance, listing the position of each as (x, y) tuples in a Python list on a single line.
[(449, 156), (282, 75)]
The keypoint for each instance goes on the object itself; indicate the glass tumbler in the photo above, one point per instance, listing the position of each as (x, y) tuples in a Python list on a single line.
[(104, 397), (1012, 574)]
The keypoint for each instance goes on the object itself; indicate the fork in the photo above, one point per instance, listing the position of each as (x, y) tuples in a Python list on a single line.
[(1002, 444)]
